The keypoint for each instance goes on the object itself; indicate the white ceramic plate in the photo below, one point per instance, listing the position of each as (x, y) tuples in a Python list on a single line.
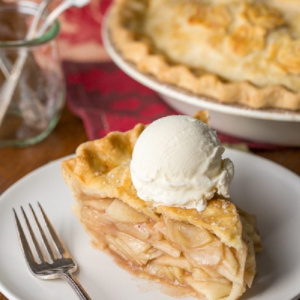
[(260, 186), (268, 126)]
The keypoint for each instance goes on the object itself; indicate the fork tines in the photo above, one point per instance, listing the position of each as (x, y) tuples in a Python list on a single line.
[(53, 247), (51, 259)]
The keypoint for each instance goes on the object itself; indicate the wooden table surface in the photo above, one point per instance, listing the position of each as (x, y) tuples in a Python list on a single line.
[(69, 133)]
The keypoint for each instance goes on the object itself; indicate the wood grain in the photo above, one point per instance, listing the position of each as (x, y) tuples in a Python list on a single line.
[(69, 133)]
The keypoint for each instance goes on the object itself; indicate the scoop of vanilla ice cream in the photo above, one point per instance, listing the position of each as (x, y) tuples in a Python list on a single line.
[(177, 161)]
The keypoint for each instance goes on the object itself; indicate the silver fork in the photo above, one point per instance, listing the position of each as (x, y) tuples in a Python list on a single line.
[(52, 259)]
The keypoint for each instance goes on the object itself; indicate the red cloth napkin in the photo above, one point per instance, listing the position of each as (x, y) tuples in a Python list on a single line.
[(106, 99), (97, 90)]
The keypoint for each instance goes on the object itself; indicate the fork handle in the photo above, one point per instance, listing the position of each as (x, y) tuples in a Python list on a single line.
[(77, 287)]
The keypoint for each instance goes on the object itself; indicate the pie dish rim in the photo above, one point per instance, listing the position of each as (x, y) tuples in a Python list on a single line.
[(181, 95)]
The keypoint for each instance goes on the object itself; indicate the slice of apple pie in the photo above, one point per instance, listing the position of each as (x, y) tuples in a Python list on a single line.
[(208, 253)]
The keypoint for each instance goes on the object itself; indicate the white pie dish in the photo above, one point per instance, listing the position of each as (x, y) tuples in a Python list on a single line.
[(270, 126)]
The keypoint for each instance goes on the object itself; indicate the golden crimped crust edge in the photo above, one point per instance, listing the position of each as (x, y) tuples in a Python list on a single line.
[(139, 53)]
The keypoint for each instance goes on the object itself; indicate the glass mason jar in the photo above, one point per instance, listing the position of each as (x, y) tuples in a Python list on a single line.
[(38, 97)]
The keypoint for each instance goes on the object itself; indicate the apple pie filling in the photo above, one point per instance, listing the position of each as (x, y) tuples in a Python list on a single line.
[(209, 254), (174, 251)]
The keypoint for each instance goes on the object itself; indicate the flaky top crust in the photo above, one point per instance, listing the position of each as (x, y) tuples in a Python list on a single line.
[(233, 51), (100, 169)]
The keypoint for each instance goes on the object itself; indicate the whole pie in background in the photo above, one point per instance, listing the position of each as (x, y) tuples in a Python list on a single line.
[(232, 51)]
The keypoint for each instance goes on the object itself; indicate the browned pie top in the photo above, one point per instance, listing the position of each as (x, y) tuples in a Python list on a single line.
[(231, 50)]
